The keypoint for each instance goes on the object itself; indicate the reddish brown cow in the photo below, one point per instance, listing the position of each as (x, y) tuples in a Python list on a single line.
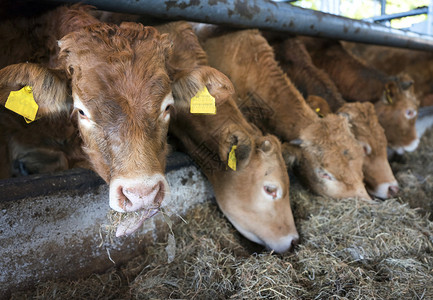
[(316, 84), (394, 98), (418, 64), (255, 197), (120, 89), (296, 62), (325, 151)]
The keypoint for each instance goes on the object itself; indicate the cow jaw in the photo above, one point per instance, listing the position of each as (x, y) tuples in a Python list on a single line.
[(280, 245), (412, 146)]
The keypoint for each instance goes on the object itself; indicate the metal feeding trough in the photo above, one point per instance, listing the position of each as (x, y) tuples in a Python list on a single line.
[(55, 226)]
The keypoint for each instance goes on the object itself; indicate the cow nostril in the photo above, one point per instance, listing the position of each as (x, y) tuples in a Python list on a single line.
[(393, 190), (124, 202), (295, 242), (160, 194)]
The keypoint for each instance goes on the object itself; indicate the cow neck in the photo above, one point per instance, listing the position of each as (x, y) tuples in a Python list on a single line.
[(287, 111), (309, 80), (354, 80)]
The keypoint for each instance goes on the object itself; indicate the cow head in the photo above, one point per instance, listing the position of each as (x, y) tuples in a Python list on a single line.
[(122, 96), (397, 112), (255, 197), (378, 176), (45, 146), (328, 158)]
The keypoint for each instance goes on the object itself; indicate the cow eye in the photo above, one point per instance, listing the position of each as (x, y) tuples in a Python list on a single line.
[(81, 114), (271, 190), (322, 173), (167, 111)]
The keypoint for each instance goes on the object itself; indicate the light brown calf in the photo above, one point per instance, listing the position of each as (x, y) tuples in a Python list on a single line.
[(121, 93), (316, 84), (394, 98), (255, 197), (378, 176), (324, 150)]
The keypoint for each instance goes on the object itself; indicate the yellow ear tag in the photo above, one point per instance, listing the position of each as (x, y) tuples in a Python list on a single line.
[(388, 96), (318, 112), (203, 103), (23, 103), (232, 158)]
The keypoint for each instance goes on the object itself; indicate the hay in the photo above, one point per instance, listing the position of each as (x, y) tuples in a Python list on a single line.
[(349, 249)]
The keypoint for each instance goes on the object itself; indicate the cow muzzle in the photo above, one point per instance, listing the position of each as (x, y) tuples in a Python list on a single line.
[(385, 190), (284, 243), (135, 194), (143, 196)]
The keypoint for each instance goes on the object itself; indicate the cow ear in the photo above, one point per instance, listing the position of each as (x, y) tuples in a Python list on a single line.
[(235, 137), (390, 92), (186, 84), (49, 89), (319, 105), (291, 153)]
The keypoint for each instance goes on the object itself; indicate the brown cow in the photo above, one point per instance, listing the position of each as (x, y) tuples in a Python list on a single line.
[(325, 151), (378, 176), (255, 197), (296, 62), (317, 86), (418, 64), (394, 98), (44, 146), (120, 88)]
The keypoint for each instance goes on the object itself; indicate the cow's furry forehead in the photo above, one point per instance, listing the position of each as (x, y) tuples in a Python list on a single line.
[(365, 124), (330, 137), (113, 43), (126, 63)]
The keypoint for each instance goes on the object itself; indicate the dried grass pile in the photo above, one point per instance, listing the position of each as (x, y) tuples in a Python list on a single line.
[(349, 250)]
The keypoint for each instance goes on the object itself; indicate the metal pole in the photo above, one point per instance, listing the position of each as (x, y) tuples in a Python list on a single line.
[(268, 15), (430, 18), (383, 7), (414, 12)]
